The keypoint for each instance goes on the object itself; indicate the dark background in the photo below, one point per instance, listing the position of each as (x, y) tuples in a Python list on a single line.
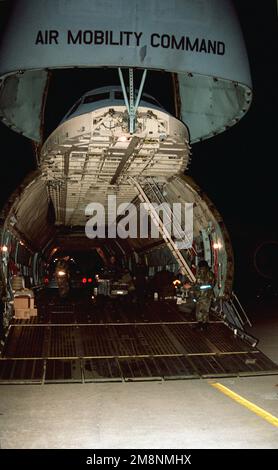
[(236, 169)]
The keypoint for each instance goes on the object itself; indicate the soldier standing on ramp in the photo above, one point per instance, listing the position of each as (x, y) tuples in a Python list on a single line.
[(203, 293)]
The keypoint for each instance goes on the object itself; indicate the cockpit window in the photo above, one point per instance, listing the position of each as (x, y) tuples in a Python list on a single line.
[(96, 97), (119, 95), (151, 100)]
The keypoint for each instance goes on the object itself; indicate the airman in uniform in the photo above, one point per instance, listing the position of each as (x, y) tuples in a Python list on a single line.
[(202, 292)]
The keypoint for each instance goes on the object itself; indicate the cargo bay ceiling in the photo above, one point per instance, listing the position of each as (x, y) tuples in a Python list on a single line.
[(31, 216)]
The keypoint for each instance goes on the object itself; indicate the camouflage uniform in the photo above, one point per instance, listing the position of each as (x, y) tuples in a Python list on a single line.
[(204, 277)]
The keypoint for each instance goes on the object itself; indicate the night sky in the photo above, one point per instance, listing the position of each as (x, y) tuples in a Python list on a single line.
[(236, 169)]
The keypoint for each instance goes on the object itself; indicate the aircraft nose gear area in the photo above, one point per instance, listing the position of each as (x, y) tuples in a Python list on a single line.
[(111, 340)]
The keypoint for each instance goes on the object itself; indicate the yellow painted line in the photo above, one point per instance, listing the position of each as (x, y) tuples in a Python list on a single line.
[(248, 404)]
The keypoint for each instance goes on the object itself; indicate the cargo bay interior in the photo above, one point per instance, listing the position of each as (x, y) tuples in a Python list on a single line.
[(107, 347), (89, 337)]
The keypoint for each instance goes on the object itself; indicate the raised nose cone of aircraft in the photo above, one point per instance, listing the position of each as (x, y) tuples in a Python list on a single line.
[(200, 42)]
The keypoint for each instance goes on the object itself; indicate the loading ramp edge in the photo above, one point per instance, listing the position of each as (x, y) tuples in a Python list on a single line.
[(77, 372), (141, 379), (128, 351)]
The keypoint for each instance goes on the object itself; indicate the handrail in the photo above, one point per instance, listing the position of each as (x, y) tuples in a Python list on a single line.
[(242, 309)]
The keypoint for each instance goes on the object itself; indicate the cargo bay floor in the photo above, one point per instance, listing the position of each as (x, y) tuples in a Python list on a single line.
[(156, 346)]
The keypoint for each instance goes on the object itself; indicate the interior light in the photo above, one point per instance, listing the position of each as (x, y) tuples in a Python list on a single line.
[(217, 245), (61, 273), (4, 249)]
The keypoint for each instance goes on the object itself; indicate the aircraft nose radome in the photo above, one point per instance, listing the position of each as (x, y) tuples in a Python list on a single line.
[(205, 48)]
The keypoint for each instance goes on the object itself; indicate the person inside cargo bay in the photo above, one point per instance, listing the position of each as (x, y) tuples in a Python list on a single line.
[(202, 293), (62, 276), (140, 279)]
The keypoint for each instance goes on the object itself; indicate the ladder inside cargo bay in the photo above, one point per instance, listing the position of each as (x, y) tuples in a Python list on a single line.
[(153, 206)]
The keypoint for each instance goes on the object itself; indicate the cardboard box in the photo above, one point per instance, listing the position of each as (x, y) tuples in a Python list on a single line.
[(22, 313), (33, 312), (22, 302)]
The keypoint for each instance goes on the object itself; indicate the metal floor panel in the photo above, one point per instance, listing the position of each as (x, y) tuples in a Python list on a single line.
[(176, 367), (251, 363), (63, 342), (134, 368), (63, 370), (110, 342), (21, 371), (106, 311), (120, 340), (216, 339), (99, 370), (24, 342)]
